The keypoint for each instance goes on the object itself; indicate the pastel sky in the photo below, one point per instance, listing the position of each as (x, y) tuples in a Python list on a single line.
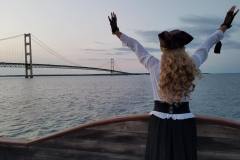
[(79, 29)]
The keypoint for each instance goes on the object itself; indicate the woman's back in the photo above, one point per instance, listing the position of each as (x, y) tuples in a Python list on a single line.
[(153, 65)]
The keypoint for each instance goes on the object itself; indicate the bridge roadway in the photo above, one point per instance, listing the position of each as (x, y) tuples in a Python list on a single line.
[(22, 65)]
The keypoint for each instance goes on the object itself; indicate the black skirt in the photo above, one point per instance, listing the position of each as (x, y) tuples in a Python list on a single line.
[(170, 139)]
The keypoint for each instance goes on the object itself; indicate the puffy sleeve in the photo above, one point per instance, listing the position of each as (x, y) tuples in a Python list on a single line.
[(201, 54), (144, 57)]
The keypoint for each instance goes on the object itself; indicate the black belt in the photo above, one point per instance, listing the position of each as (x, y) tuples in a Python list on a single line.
[(175, 108)]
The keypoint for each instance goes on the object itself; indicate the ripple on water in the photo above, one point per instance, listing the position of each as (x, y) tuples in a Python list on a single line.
[(48, 104)]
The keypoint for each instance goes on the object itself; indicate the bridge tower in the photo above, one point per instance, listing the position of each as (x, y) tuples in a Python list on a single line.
[(112, 66), (28, 56)]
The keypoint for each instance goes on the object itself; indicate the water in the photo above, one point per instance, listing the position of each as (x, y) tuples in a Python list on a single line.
[(32, 108)]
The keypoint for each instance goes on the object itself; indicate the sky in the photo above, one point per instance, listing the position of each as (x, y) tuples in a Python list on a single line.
[(79, 29)]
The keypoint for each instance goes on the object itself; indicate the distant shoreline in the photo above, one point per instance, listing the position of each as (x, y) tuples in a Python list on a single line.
[(72, 75)]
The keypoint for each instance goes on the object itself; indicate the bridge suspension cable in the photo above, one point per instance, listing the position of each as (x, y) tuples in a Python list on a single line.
[(11, 56), (12, 48), (50, 50), (11, 37)]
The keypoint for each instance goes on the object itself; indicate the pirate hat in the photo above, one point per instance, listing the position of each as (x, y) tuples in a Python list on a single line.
[(174, 39)]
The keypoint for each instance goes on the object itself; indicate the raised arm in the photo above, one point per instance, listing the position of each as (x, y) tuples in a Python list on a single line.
[(201, 53), (144, 57)]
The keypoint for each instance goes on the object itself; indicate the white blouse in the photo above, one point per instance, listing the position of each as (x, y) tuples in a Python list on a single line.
[(152, 64)]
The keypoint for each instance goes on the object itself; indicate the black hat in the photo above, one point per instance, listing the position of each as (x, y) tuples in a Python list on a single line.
[(174, 39)]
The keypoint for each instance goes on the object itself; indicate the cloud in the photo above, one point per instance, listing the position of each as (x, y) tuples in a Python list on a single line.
[(117, 53), (113, 51), (200, 27), (199, 20), (149, 36), (153, 49), (231, 44), (100, 43), (205, 21), (125, 49), (94, 50)]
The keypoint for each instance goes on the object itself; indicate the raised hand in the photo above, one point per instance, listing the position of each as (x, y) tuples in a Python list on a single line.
[(226, 25), (229, 17), (113, 23)]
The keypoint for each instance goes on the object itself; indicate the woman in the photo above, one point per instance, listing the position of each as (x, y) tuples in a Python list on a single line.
[(172, 127)]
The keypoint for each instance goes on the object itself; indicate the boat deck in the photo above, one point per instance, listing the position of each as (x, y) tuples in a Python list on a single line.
[(120, 138)]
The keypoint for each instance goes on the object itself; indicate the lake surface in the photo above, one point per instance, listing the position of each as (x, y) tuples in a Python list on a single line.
[(42, 105)]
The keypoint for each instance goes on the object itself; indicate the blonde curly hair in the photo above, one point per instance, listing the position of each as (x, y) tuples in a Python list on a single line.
[(178, 71)]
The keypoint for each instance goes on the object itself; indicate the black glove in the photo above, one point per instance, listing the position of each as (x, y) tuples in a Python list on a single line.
[(217, 48), (228, 23), (113, 23), (229, 17)]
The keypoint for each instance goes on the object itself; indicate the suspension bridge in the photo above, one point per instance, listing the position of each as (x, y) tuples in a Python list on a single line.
[(27, 57)]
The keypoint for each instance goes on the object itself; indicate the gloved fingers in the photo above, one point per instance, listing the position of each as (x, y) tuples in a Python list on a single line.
[(235, 13), (114, 17), (109, 19), (232, 9), (112, 14)]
